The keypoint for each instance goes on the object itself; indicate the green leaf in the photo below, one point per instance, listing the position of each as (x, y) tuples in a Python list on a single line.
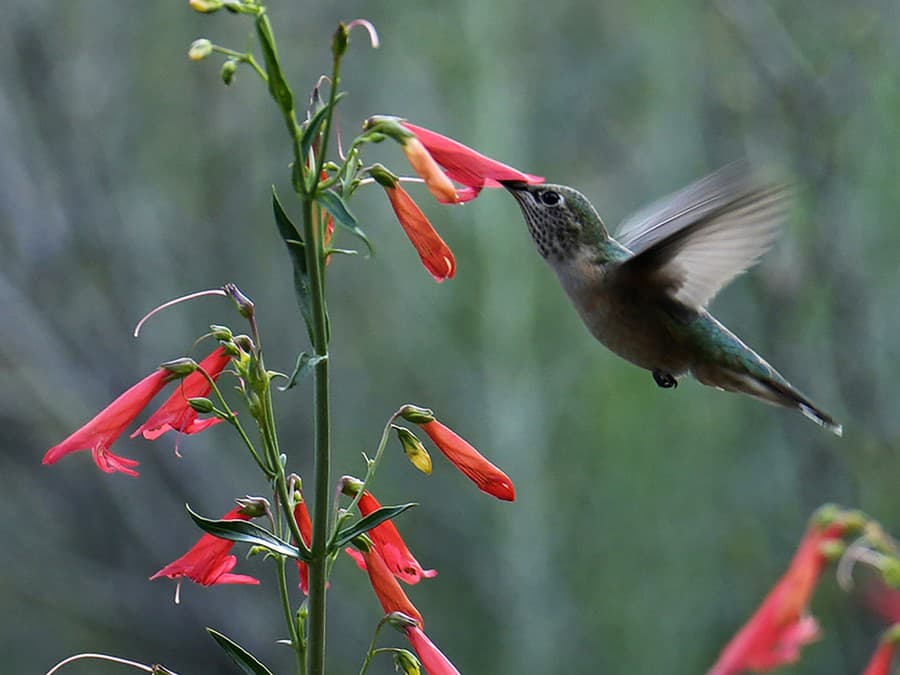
[(296, 250), (337, 207), (312, 127), (304, 366), (374, 519), (243, 659), (278, 86), (248, 533)]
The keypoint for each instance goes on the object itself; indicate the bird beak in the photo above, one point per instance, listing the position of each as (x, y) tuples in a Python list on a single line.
[(514, 185)]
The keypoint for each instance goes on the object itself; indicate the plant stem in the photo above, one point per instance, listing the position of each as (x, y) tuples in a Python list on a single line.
[(296, 641)]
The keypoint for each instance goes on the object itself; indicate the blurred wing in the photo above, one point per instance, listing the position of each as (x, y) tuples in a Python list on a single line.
[(692, 243)]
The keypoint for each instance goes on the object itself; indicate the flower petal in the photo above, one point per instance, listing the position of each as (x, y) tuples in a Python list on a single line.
[(431, 657), (433, 251), (390, 544)]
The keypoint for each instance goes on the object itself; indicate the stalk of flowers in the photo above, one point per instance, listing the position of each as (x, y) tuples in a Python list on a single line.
[(100, 433), (782, 625), (428, 152)]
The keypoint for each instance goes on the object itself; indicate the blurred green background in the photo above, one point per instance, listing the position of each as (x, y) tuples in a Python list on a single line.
[(649, 523)]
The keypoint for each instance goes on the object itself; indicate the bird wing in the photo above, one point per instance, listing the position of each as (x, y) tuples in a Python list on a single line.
[(693, 242)]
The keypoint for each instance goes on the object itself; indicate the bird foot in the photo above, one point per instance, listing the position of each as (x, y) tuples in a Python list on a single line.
[(664, 379)]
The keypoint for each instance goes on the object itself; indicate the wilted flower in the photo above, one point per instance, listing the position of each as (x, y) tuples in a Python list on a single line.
[(176, 414), (100, 433), (473, 464), (208, 562), (782, 625)]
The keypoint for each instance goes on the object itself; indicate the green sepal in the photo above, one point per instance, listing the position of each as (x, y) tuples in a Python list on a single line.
[(372, 520), (304, 366), (296, 250), (243, 659), (313, 125), (278, 86), (248, 533), (337, 207)]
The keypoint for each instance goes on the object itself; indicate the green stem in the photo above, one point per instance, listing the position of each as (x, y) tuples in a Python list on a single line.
[(296, 640), (371, 651)]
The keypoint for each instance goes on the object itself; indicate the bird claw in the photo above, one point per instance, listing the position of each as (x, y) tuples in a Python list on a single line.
[(664, 379)]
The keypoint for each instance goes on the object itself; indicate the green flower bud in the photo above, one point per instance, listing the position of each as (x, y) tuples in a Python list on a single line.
[(201, 405), (350, 486), (180, 367), (415, 414), (206, 6), (200, 49), (229, 68), (339, 41), (890, 572), (413, 449), (406, 662), (382, 176), (243, 303), (833, 550), (253, 506)]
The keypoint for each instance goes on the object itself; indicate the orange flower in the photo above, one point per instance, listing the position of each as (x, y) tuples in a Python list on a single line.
[(781, 626), (434, 253), (424, 165), (100, 433), (473, 464), (387, 588)]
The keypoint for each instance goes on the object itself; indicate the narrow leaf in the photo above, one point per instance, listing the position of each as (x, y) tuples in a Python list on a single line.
[(296, 249), (278, 86), (248, 533), (374, 519), (311, 128), (243, 659), (336, 206), (304, 366)]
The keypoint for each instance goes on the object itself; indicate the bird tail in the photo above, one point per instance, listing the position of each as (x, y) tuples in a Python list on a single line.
[(784, 394)]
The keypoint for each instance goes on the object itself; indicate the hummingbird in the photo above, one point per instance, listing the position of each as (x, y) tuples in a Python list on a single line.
[(644, 295)]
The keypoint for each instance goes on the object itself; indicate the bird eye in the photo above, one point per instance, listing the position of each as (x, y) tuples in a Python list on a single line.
[(550, 198)]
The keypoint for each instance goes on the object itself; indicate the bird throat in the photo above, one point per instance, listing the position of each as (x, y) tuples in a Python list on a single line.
[(554, 237)]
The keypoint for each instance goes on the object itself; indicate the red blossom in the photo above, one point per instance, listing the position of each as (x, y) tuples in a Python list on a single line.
[(883, 600), (390, 594), (467, 459), (782, 625), (391, 546), (175, 414), (100, 433), (882, 659), (208, 562), (431, 657), (465, 165), (434, 252), (304, 522)]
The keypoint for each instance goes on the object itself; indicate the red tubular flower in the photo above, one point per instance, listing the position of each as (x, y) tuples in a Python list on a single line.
[(431, 657), (775, 633), (435, 180), (175, 414), (387, 588), (467, 459), (464, 165), (435, 254), (391, 546), (304, 522), (883, 600), (884, 655), (208, 562), (100, 433)]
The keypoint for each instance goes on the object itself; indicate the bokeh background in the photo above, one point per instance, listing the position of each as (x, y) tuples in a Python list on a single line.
[(648, 524)]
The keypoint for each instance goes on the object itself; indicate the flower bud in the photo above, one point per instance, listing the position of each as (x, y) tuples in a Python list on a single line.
[(245, 343), (221, 332), (243, 303), (415, 414), (200, 49), (229, 68), (890, 572), (350, 486), (833, 550), (339, 41), (233, 6), (382, 176), (180, 367), (206, 6), (405, 662), (201, 405), (414, 450), (253, 506)]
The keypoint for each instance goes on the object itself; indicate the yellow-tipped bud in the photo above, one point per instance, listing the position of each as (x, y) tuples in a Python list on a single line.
[(414, 450), (405, 662), (206, 6), (200, 49)]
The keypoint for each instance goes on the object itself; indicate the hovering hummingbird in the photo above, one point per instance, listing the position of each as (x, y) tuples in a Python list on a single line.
[(645, 295)]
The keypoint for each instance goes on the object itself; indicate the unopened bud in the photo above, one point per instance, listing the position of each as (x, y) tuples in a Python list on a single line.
[(363, 543), (405, 662), (382, 176), (350, 486), (220, 332), (231, 349), (201, 405), (243, 303), (415, 414), (253, 506), (180, 367), (233, 6), (229, 68), (245, 343), (413, 449), (832, 550), (206, 6), (254, 404), (200, 49), (339, 41), (890, 572)]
